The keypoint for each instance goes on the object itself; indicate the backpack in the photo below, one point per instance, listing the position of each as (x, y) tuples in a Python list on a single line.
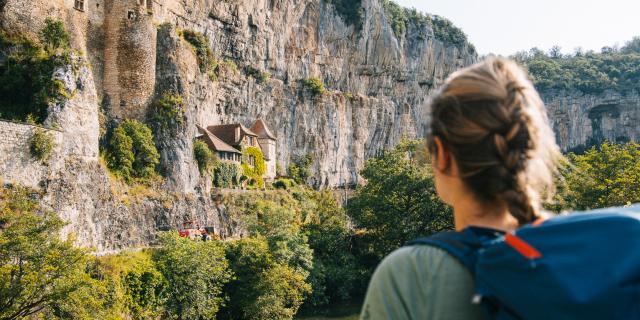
[(584, 265)]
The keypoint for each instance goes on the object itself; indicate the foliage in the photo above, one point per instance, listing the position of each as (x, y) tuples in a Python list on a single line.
[(204, 156), (351, 11), (132, 152), (261, 76), (133, 284), (300, 169), (26, 83), (39, 273), (258, 169), (273, 263), (226, 175), (403, 19), (54, 36), (195, 272), (632, 46), (41, 144), (167, 112), (284, 183), (604, 176), (336, 276), (314, 85), (399, 202), (206, 61), (588, 72)]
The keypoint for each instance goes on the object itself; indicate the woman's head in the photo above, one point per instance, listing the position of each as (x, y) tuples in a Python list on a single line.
[(489, 120)]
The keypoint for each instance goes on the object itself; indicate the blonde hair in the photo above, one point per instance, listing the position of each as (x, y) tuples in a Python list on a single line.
[(490, 117)]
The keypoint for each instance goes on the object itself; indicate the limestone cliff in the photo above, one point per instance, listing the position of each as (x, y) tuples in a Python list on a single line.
[(131, 51), (581, 119)]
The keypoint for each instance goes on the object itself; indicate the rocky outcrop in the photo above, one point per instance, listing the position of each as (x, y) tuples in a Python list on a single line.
[(377, 88), (580, 120)]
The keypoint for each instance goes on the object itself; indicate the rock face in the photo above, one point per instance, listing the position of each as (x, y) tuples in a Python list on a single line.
[(377, 88), (580, 120)]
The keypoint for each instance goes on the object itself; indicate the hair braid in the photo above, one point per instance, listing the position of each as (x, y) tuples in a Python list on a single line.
[(492, 120)]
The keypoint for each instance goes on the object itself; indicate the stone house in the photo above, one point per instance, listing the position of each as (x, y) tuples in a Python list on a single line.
[(228, 140)]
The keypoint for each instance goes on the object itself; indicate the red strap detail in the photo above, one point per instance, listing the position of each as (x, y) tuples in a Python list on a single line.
[(522, 246)]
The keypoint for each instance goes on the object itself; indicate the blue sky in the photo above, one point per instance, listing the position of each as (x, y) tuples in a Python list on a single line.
[(504, 27)]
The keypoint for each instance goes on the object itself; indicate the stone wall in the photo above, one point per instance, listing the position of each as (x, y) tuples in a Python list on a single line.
[(17, 165)]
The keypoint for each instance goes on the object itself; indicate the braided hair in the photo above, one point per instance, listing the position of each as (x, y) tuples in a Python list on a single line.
[(494, 123)]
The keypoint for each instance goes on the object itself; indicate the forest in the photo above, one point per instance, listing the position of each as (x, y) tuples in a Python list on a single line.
[(301, 252)]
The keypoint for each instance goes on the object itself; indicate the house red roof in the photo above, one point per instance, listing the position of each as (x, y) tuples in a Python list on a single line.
[(260, 128), (231, 134), (216, 143)]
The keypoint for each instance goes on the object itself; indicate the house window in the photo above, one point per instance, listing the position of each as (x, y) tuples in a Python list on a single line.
[(79, 5)]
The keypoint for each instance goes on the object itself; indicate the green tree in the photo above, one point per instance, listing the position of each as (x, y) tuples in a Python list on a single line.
[(132, 152), (300, 169), (195, 272), (398, 202), (39, 273), (604, 176), (336, 275), (41, 145), (54, 35), (167, 111)]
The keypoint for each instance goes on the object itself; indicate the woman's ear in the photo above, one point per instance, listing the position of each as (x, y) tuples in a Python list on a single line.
[(442, 158)]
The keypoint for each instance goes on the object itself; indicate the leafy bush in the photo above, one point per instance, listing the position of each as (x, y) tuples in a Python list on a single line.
[(195, 272), (300, 169), (315, 85), (206, 61), (258, 169), (167, 112), (283, 183), (135, 286), (587, 72), (26, 83), (39, 272), (259, 75), (132, 152), (204, 156), (397, 16), (351, 11), (54, 36), (41, 144), (226, 175)]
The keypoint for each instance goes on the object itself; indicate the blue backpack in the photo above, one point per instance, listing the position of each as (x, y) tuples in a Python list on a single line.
[(580, 266)]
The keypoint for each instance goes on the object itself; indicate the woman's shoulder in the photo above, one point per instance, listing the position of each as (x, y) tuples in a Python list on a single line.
[(420, 282)]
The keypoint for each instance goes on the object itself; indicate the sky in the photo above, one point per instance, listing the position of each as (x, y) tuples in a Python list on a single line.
[(507, 26)]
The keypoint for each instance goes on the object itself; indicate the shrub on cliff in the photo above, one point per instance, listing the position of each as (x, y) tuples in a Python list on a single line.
[(204, 157), (261, 76), (195, 272), (206, 60), (314, 85), (26, 83), (300, 169), (41, 144), (54, 36), (41, 276), (132, 152), (351, 11), (167, 111), (226, 175)]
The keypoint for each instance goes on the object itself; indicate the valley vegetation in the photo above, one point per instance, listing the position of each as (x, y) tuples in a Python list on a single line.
[(300, 250)]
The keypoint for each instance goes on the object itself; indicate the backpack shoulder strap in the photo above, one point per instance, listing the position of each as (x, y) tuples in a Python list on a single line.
[(462, 245)]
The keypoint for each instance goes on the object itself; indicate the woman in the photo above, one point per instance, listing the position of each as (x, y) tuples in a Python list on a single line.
[(493, 156)]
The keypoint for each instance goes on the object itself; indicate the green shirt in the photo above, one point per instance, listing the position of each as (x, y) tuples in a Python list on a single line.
[(420, 282)]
